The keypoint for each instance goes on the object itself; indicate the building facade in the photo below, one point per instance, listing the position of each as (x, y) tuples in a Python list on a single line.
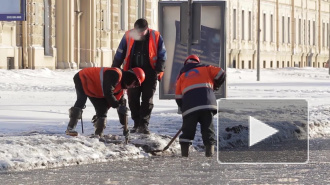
[(293, 33), (62, 34)]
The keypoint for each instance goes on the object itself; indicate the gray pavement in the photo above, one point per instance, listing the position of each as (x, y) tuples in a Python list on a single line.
[(196, 169)]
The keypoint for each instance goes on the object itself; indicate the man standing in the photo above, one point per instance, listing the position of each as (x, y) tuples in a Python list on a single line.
[(142, 47), (195, 97), (104, 87)]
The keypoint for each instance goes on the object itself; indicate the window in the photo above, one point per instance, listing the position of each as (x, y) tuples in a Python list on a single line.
[(323, 35), (283, 29), (250, 64), (289, 29), (299, 32), (47, 30), (243, 25), (141, 9), (242, 64), (264, 64), (122, 15), (234, 24), (283, 64), (304, 31), (106, 17), (271, 28), (309, 33), (264, 26), (328, 35), (271, 64), (288, 64), (278, 64), (250, 26), (314, 33), (294, 26)]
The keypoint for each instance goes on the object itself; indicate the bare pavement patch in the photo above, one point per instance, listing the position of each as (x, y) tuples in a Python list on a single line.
[(174, 169)]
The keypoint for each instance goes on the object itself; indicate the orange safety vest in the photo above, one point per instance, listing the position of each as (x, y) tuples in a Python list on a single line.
[(153, 48), (196, 83), (200, 77), (92, 82)]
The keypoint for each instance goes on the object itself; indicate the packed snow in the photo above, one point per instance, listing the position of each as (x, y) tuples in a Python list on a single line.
[(34, 114)]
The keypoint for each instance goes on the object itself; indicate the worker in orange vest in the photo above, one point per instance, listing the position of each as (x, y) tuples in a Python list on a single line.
[(195, 97), (105, 88), (142, 47)]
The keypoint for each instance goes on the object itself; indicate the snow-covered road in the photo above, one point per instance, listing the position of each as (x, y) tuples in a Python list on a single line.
[(34, 114)]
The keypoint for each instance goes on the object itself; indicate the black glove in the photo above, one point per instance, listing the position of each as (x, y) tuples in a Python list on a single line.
[(94, 119), (126, 133), (218, 83), (122, 109)]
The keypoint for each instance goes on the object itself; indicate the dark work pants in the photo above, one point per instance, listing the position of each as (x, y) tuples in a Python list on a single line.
[(205, 118), (140, 112), (100, 104), (81, 96)]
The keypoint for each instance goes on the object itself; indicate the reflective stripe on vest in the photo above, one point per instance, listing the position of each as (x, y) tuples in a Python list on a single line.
[(177, 96), (153, 35), (201, 107), (197, 86), (101, 79), (118, 88), (185, 140), (221, 72)]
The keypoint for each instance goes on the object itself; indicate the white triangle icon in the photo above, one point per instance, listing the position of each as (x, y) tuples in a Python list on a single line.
[(259, 131)]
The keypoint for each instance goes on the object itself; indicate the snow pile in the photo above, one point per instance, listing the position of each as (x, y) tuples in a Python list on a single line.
[(44, 151), (37, 150), (319, 124)]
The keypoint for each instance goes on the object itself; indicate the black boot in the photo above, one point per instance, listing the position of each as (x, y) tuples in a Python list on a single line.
[(184, 149), (143, 129), (74, 115), (209, 150), (135, 127), (100, 125)]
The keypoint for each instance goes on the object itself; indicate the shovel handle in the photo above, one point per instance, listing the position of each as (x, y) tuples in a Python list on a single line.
[(172, 140), (82, 125)]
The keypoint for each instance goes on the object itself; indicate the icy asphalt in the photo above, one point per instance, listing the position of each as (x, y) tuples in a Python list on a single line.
[(174, 169)]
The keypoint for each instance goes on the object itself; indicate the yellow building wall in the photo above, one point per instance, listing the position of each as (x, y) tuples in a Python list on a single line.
[(278, 52), (85, 33)]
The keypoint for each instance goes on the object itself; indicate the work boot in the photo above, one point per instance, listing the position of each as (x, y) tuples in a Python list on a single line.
[(74, 115), (100, 125), (185, 149), (135, 127), (209, 150), (143, 129)]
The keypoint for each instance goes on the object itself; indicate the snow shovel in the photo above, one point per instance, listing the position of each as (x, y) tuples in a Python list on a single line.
[(82, 125), (169, 144), (123, 119)]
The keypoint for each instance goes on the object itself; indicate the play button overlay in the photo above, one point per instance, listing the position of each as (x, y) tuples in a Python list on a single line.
[(259, 131), (262, 131)]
